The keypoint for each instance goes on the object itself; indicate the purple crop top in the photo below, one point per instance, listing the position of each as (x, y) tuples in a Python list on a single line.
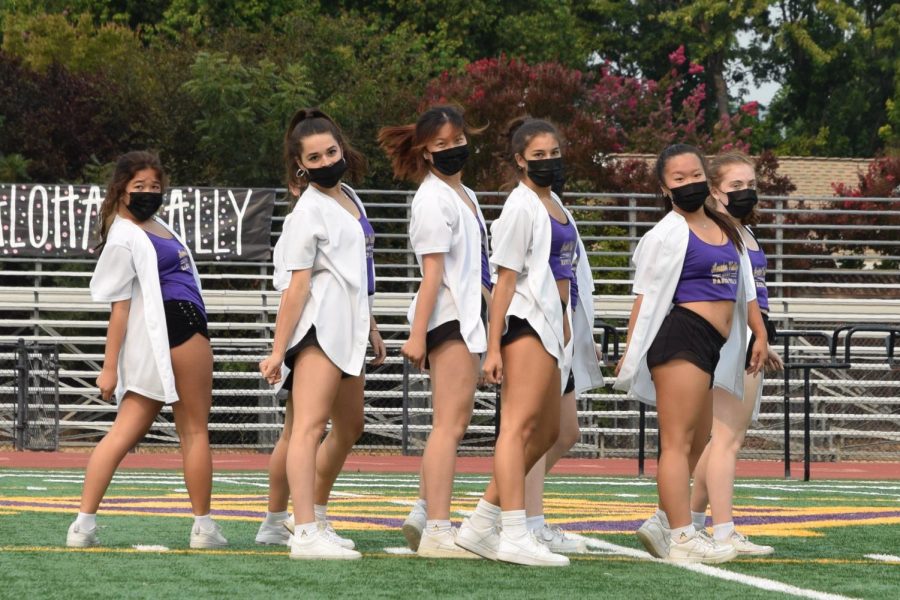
[(709, 272), (563, 240), (176, 280), (758, 261), (485, 265)]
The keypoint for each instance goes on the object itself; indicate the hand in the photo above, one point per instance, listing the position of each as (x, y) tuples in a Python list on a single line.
[(493, 367), (619, 365), (414, 351), (758, 355), (599, 352), (378, 348), (107, 382), (270, 368), (773, 361)]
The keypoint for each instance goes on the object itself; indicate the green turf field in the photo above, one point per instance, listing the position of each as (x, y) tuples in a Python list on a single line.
[(833, 539)]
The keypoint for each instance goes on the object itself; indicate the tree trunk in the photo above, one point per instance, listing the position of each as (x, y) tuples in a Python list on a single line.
[(716, 65)]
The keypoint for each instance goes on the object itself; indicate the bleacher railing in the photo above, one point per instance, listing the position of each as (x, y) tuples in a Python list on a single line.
[(822, 276)]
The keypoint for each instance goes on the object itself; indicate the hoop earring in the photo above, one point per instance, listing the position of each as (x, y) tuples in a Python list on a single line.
[(300, 173)]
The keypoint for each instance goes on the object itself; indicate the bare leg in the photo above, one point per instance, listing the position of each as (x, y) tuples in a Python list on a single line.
[(569, 434), (135, 416), (453, 378), (347, 421), (279, 492), (316, 383), (192, 363), (682, 397)]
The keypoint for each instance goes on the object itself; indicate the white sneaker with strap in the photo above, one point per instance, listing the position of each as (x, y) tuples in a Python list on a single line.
[(559, 541), (745, 547)]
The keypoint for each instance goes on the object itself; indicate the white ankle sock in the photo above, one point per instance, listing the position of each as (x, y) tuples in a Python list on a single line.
[(699, 520), (438, 524), (86, 521), (320, 511), (663, 517), (422, 504), (723, 531), (485, 515), (683, 534), (205, 522), (275, 518), (534, 523), (514, 523), (307, 528)]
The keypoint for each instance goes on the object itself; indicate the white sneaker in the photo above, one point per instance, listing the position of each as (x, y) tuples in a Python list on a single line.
[(413, 527), (441, 543), (316, 546), (213, 538), (273, 534), (326, 529), (483, 542), (81, 538), (745, 547), (654, 537), (527, 550), (559, 541), (699, 549)]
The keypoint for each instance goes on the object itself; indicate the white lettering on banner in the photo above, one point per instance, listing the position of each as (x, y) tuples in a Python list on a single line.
[(13, 213), (240, 215), (198, 222), (216, 248), (91, 209), (38, 189), (177, 205), (58, 232), (62, 220)]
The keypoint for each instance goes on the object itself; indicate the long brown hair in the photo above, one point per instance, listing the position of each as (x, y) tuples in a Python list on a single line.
[(519, 133), (724, 223), (716, 175), (126, 168), (405, 144), (312, 121)]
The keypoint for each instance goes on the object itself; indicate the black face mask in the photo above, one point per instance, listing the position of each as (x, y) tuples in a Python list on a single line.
[(741, 203), (559, 184), (144, 205), (451, 160), (690, 197), (329, 176), (546, 171)]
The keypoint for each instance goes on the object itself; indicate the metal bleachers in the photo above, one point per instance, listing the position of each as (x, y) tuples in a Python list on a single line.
[(855, 411)]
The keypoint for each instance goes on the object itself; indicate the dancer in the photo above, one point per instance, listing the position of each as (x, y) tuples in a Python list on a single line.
[(448, 235), (149, 277), (324, 322), (732, 179), (691, 259), (529, 345), (584, 375)]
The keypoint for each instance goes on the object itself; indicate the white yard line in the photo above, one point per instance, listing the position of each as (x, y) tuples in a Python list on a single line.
[(750, 580), (884, 557)]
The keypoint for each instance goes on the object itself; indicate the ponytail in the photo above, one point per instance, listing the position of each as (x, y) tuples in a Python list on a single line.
[(518, 135)]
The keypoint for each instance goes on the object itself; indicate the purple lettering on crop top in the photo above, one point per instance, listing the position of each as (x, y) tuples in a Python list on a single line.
[(709, 272), (563, 240), (176, 279), (758, 262)]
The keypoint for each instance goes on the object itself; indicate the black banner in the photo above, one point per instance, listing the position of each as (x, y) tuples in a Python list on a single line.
[(61, 220)]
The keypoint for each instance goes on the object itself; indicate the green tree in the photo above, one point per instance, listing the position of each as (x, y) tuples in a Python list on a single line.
[(242, 111)]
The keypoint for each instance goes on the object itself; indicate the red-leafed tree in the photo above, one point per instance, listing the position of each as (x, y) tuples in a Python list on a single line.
[(598, 113)]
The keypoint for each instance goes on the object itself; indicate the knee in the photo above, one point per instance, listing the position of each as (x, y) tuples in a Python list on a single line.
[(307, 431), (348, 433), (728, 444), (567, 438), (450, 430)]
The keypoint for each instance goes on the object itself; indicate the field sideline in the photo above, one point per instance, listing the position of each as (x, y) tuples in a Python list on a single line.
[(834, 539)]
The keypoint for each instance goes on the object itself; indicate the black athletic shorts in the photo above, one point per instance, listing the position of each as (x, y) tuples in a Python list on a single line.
[(686, 335), (570, 384), (770, 332), (440, 334), (183, 320), (290, 357)]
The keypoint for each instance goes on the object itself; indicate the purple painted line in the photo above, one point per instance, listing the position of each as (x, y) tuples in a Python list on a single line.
[(387, 522), (843, 516), (30, 504)]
